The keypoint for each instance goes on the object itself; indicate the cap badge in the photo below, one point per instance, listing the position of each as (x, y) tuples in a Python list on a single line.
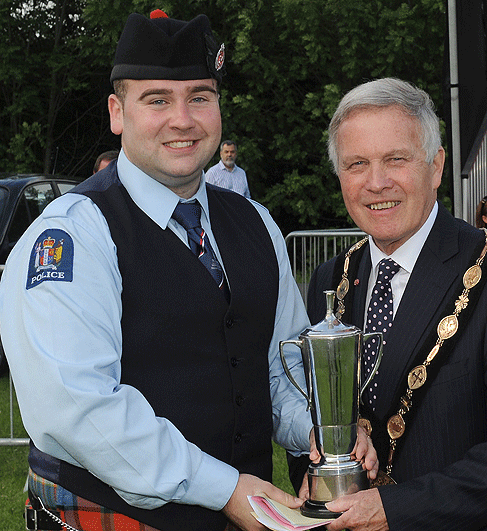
[(220, 58)]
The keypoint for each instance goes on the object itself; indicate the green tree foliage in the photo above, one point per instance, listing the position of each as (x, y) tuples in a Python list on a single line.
[(53, 96), (288, 64), (292, 63)]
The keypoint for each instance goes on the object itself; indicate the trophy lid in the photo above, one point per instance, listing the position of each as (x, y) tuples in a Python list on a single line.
[(330, 326)]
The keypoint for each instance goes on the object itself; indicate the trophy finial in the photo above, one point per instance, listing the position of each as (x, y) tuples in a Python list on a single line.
[(330, 302)]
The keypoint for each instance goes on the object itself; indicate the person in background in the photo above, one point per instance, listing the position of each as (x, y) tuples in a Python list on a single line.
[(144, 310), (481, 214), (420, 279), (104, 159), (226, 173)]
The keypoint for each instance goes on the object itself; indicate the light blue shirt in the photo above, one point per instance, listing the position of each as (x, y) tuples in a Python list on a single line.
[(63, 342), (234, 179)]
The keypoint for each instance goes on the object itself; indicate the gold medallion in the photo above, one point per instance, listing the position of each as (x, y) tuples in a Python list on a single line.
[(366, 425), (433, 353), (396, 426), (472, 276), (382, 479), (417, 377), (342, 289), (448, 327)]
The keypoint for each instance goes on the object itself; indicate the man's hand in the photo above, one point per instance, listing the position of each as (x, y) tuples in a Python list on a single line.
[(363, 450), (238, 508), (362, 511), (314, 457)]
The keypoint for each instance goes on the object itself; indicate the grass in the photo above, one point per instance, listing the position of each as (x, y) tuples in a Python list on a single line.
[(13, 467)]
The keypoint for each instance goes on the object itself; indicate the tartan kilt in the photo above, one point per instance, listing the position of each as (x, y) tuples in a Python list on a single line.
[(84, 515)]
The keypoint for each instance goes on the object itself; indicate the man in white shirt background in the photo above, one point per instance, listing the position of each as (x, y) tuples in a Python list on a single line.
[(226, 173)]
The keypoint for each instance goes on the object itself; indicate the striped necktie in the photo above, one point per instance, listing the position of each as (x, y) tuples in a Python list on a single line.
[(188, 215)]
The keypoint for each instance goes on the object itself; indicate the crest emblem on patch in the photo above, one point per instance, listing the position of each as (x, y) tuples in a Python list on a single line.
[(51, 258), (220, 58)]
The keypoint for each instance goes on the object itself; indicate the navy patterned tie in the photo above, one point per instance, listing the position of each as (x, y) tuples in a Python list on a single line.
[(379, 319), (188, 215)]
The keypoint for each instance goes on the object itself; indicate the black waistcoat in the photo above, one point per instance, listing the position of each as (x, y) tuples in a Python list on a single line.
[(200, 362)]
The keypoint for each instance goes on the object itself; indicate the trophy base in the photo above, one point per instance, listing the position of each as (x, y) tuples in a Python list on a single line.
[(330, 481), (317, 510)]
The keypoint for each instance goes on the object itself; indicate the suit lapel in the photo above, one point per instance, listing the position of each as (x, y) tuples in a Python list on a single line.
[(361, 283)]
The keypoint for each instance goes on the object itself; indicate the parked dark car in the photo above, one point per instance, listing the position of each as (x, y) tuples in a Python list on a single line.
[(22, 198)]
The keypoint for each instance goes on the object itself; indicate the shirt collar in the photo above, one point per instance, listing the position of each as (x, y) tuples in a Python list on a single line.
[(152, 197), (407, 254)]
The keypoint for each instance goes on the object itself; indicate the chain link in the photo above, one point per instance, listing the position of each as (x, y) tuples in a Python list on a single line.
[(56, 519)]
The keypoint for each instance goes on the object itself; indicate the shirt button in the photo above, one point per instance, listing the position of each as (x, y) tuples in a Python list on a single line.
[(238, 438), (229, 322), (239, 400), (234, 362)]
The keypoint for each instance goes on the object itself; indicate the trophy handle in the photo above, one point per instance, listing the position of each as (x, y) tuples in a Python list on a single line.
[(366, 337), (299, 344)]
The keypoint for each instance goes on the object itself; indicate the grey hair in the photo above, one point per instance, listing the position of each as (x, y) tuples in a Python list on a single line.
[(228, 143), (389, 92)]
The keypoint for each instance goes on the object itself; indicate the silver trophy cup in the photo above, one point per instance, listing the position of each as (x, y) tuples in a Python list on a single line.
[(331, 353)]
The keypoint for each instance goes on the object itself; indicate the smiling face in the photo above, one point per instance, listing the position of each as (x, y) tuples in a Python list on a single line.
[(170, 129), (388, 188)]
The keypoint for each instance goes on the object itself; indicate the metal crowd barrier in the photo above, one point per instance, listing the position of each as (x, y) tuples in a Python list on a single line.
[(474, 175), (310, 248), (11, 440)]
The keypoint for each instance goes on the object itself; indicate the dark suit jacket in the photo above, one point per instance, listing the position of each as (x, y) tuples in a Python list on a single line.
[(441, 461)]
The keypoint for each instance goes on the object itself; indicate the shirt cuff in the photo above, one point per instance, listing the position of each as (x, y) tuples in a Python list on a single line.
[(213, 484)]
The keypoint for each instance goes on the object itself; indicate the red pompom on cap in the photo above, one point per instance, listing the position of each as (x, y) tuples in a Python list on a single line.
[(158, 13)]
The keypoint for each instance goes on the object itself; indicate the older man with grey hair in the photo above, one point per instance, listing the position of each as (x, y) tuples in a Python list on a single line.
[(419, 279)]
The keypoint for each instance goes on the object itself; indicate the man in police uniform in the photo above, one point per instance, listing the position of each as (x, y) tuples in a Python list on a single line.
[(151, 390)]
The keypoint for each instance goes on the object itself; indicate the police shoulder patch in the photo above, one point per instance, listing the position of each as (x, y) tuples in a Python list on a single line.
[(51, 258)]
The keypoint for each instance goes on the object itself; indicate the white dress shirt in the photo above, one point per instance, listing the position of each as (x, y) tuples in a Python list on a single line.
[(405, 256), (234, 179)]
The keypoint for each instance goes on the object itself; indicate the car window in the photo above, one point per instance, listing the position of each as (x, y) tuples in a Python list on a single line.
[(32, 202), (3, 200), (65, 187)]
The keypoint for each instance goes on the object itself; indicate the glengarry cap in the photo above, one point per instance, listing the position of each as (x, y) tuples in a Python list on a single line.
[(165, 48)]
